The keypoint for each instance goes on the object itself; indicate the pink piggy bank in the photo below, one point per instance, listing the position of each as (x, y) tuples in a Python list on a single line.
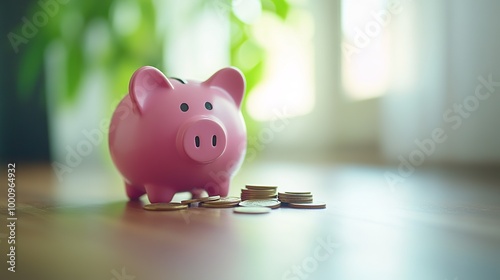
[(171, 135)]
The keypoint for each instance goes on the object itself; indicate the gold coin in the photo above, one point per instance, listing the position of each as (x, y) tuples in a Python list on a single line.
[(258, 191), (257, 194), (297, 193), (253, 198), (289, 199), (312, 205), (252, 210), (295, 198), (227, 199), (226, 205), (164, 206), (201, 199), (260, 187), (256, 197), (296, 201), (288, 202), (294, 195), (224, 202), (271, 203)]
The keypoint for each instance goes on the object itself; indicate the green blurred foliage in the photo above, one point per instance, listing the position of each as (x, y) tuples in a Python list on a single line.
[(244, 45), (126, 53), (123, 55)]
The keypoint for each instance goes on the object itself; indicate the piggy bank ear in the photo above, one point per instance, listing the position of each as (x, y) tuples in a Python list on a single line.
[(145, 81), (231, 80)]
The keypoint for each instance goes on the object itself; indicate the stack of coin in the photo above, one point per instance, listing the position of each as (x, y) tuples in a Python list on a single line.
[(223, 202), (295, 197), (301, 200), (258, 192)]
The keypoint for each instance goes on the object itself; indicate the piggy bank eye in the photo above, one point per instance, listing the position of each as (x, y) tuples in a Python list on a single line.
[(208, 105), (184, 107)]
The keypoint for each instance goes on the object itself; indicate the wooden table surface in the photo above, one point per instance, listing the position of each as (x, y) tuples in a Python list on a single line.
[(440, 224)]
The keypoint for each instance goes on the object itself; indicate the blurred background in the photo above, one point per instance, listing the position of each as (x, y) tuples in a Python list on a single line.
[(359, 81), (345, 98)]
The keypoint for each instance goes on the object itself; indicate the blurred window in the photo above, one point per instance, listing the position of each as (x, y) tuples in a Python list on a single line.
[(365, 46), (288, 76)]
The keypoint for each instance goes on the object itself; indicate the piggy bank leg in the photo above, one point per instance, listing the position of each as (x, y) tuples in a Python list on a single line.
[(221, 189), (134, 192), (159, 194), (224, 189), (197, 193)]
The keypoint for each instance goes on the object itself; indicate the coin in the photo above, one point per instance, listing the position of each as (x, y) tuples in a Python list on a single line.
[(295, 198), (271, 203), (252, 210), (295, 194), (255, 198), (261, 188), (164, 206), (227, 205), (250, 196), (312, 205), (244, 198), (201, 199), (288, 202), (258, 191), (223, 202), (296, 201), (259, 195), (292, 193)]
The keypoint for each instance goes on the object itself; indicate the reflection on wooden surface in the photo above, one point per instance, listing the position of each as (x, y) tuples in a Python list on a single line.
[(439, 224)]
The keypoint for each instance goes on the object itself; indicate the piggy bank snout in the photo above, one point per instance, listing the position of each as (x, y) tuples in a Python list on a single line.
[(203, 140)]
